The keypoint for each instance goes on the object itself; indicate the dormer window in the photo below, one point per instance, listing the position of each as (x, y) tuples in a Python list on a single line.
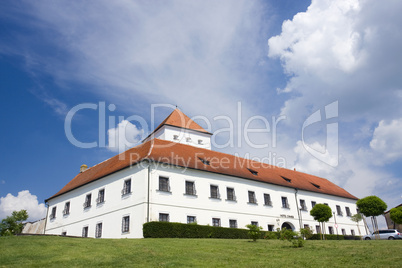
[(175, 137), (286, 179), (316, 185), (200, 142), (205, 162), (188, 139), (255, 173)]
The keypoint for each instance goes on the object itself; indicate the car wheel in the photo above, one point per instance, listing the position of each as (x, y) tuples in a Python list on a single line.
[(391, 238), (367, 238)]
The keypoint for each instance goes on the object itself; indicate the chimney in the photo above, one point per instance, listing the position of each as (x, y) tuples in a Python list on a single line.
[(294, 169), (83, 168)]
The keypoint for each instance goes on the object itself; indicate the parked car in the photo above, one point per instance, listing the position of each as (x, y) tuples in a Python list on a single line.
[(384, 234)]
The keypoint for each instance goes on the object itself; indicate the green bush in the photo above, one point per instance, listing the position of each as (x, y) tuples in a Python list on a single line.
[(327, 237), (271, 235), (254, 231), (180, 230)]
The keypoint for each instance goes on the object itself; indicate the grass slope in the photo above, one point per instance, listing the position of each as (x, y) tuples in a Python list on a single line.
[(39, 251)]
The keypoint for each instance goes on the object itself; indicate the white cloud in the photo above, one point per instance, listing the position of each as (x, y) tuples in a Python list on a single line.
[(387, 140), (24, 200), (124, 136)]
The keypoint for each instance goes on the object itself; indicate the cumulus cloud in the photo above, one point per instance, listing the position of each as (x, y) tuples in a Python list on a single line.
[(24, 200), (124, 136), (387, 140)]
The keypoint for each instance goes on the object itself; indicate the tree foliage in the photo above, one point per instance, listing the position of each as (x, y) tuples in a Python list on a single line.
[(357, 217), (371, 206), (13, 224), (321, 213), (254, 231), (396, 215)]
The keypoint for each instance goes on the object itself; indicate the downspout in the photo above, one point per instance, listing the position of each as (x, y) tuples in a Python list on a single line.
[(47, 211), (149, 179), (298, 210)]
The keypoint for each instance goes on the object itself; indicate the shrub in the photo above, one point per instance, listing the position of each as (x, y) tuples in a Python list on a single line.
[(271, 235), (254, 231), (306, 232)]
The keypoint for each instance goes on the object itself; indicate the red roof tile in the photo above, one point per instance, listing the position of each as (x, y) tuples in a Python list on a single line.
[(177, 154)]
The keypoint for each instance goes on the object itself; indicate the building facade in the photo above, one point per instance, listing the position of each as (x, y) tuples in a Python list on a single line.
[(175, 176)]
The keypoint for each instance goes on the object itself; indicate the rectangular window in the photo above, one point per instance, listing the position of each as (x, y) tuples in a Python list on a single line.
[(343, 232), (233, 223), (126, 187), (352, 232), (101, 196), (326, 204), (190, 188), (191, 219), (164, 184), (303, 205), (53, 214), (63, 233), (318, 229), (251, 197), (230, 194), (285, 203), (331, 230), (85, 231), (87, 202), (348, 212), (339, 211), (271, 227), (267, 200), (125, 224), (98, 230), (214, 191), (255, 223), (216, 222), (313, 203), (163, 217), (66, 210)]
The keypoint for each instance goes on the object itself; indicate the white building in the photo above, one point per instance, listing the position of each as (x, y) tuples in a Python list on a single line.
[(175, 176)]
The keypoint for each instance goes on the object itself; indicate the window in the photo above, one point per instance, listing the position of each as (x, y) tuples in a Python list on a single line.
[(66, 210), (98, 230), (204, 161), (315, 185), (164, 184), (348, 212), (271, 227), (285, 203), (255, 173), (255, 223), (63, 233), (216, 222), (126, 187), (191, 219), (175, 137), (200, 142), (230, 194), (339, 211), (343, 232), (163, 217), (286, 179), (251, 197), (352, 232), (125, 224), (306, 226), (87, 202), (313, 203), (215, 191), (233, 223), (101, 196), (326, 204), (190, 188), (85, 231), (331, 230), (303, 205), (267, 200), (188, 139), (318, 229), (53, 214)]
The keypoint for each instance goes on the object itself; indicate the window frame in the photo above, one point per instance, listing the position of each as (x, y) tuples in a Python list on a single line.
[(190, 190), (164, 187), (216, 222), (85, 231), (303, 205), (164, 217), (213, 186), (88, 201), (101, 197), (233, 194), (267, 200), (126, 187), (53, 213), (348, 213), (286, 203), (232, 223), (191, 219), (66, 210), (125, 224), (98, 230), (252, 198), (339, 210)]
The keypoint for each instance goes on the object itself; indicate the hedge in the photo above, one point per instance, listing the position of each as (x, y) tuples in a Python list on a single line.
[(157, 229), (335, 237)]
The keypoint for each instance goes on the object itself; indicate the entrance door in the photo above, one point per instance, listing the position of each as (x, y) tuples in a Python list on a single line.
[(287, 226)]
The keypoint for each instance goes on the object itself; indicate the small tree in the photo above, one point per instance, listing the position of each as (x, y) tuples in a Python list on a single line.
[(321, 213), (254, 231), (306, 232), (291, 236), (13, 224), (372, 206), (396, 215), (356, 218)]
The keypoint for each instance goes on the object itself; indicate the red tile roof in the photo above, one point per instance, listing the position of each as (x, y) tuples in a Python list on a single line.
[(177, 154)]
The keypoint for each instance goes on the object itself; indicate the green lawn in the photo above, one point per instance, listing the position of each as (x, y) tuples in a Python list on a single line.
[(39, 251)]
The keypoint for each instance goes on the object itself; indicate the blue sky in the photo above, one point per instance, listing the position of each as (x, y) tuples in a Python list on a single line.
[(271, 58)]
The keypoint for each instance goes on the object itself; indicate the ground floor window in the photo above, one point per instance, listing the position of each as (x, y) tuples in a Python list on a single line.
[(352, 232), (306, 226), (331, 230), (343, 232), (125, 224), (233, 223), (216, 222), (191, 219), (317, 229), (255, 223), (85, 231), (271, 227), (163, 217), (98, 231)]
